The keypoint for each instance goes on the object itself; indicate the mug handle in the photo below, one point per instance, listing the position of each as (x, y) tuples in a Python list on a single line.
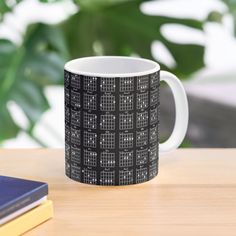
[(181, 110)]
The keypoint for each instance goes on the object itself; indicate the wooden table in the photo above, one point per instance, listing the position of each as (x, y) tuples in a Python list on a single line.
[(194, 194)]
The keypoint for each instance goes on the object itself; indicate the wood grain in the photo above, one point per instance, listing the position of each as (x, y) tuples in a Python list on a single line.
[(194, 194)]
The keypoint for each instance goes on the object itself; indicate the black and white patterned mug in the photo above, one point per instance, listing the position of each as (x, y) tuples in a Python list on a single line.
[(112, 118)]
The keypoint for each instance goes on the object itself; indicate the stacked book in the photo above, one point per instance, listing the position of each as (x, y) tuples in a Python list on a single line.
[(23, 205)]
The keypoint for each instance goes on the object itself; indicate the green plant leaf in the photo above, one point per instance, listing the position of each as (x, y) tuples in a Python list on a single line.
[(8, 128), (232, 10), (91, 5), (7, 6), (4, 7), (101, 27), (25, 70), (120, 28)]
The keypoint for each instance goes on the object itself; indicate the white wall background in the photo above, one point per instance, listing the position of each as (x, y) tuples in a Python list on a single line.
[(217, 81)]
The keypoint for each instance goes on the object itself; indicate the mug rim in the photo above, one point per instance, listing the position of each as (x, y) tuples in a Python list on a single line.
[(70, 66)]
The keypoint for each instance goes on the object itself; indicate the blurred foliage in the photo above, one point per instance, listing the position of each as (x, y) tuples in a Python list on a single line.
[(215, 16), (232, 10), (5, 6), (101, 27), (25, 70), (122, 29)]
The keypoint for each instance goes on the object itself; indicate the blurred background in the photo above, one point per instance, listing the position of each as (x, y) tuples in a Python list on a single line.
[(195, 39)]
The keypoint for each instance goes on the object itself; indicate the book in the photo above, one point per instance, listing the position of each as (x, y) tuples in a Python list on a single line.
[(16, 194), (28, 221), (22, 211)]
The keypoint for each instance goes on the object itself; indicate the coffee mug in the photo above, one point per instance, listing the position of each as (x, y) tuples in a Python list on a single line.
[(112, 119)]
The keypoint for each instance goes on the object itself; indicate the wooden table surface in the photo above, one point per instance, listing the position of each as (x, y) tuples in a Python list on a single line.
[(194, 194)]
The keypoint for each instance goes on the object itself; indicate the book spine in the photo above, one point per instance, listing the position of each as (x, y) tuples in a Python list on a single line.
[(25, 200), (27, 221)]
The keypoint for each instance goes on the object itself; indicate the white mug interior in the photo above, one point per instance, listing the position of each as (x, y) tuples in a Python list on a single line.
[(112, 66)]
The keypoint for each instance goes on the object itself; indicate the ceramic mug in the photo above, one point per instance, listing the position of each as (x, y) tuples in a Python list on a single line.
[(112, 119)]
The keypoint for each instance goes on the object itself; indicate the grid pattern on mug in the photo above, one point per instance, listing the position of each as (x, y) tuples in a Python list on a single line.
[(90, 120), (75, 136), (67, 168), (90, 139), (153, 134), (90, 83), (108, 84), (75, 81), (75, 117), (141, 156), (154, 97), (152, 170), (90, 158), (67, 78), (126, 177), (107, 178), (76, 173), (107, 122), (142, 100), (125, 140), (141, 138), (126, 102), (75, 99), (126, 121), (90, 176), (141, 175), (126, 159), (153, 115), (142, 83), (142, 119), (67, 96), (107, 159), (67, 114), (90, 101), (67, 151), (75, 165), (67, 133), (126, 84), (107, 141), (154, 80), (153, 153), (75, 154), (107, 102)]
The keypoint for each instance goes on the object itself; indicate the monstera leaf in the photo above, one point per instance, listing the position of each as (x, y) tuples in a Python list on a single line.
[(101, 27), (120, 28), (24, 72)]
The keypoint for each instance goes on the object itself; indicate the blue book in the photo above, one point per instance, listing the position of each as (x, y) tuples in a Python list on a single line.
[(16, 194)]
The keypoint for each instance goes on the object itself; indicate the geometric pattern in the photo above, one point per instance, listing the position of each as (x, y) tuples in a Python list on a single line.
[(111, 128)]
